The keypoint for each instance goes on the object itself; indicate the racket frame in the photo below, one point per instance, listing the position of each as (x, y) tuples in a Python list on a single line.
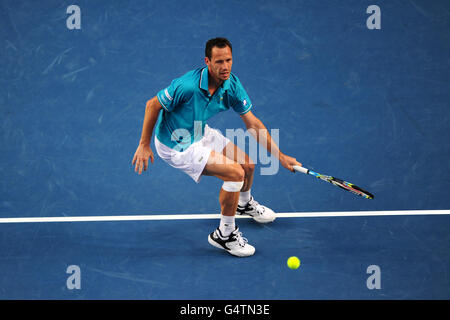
[(337, 182)]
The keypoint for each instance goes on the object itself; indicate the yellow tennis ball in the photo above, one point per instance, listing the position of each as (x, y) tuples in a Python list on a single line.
[(293, 263)]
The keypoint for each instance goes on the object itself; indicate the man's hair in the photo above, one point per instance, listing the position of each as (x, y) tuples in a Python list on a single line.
[(216, 42)]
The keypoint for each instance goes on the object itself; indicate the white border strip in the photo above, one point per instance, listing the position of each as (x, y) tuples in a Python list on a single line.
[(217, 216)]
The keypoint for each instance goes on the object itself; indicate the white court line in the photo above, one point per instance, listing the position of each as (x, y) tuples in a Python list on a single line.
[(217, 216)]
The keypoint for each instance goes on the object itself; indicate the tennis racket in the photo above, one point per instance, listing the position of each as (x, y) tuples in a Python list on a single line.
[(337, 182)]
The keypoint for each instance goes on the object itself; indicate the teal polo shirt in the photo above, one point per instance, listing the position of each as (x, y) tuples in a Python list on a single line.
[(187, 105)]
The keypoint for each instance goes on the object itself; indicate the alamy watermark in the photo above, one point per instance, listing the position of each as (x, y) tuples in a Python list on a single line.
[(374, 20), (374, 280), (256, 141), (74, 20), (74, 280)]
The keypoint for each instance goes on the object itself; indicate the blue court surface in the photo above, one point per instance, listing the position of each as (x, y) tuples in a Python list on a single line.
[(369, 105)]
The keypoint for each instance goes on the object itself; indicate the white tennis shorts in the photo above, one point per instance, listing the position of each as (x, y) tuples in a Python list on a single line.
[(193, 160)]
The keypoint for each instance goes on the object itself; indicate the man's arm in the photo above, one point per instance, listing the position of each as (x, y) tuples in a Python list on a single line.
[(144, 151), (261, 134)]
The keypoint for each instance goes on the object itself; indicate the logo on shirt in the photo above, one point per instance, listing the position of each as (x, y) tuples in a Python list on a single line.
[(244, 102)]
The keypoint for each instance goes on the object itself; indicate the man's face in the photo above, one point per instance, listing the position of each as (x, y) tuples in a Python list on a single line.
[(220, 63)]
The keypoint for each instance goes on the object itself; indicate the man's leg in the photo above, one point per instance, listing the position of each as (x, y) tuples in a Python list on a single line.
[(227, 236), (232, 152), (246, 204), (227, 171)]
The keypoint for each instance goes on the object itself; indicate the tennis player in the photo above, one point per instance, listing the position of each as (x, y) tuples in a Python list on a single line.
[(186, 142)]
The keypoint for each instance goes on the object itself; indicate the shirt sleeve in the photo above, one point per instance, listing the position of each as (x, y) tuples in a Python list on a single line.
[(175, 94), (240, 102)]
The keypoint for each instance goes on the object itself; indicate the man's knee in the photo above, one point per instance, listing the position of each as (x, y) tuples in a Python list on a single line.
[(237, 173), (234, 179), (249, 168)]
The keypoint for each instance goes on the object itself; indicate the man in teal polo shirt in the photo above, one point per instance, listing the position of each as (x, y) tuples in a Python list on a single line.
[(186, 142)]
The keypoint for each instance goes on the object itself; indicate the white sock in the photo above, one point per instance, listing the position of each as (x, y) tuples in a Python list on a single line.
[(227, 225), (244, 197)]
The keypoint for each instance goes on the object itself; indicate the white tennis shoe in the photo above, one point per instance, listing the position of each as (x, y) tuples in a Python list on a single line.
[(235, 244), (259, 213)]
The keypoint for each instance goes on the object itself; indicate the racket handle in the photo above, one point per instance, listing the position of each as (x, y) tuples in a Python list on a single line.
[(301, 169)]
